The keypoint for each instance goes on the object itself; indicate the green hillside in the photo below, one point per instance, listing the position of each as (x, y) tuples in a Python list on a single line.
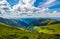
[(49, 29), (9, 32)]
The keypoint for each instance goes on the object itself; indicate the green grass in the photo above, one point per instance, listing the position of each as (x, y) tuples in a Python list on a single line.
[(49, 29), (10, 32)]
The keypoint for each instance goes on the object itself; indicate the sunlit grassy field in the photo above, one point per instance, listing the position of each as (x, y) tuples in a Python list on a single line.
[(49, 29)]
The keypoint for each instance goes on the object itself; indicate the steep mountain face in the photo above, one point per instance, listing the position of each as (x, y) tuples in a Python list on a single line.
[(28, 22)]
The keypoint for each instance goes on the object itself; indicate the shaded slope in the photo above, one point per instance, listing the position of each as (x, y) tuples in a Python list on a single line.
[(13, 22)]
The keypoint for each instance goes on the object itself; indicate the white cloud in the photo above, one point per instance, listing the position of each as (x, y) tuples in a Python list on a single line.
[(48, 3), (22, 10)]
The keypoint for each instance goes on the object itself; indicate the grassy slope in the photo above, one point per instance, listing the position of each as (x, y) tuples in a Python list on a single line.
[(9, 32), (49, 29)]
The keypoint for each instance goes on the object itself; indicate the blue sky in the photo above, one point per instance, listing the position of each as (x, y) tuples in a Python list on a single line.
[(55, 6), (13, 2), (36, 4)]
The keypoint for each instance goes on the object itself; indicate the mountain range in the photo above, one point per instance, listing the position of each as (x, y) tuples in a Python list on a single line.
[(28, 22), (10, 32)]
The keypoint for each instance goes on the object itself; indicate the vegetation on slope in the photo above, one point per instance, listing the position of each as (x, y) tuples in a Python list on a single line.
[(49, 29), (9, 32)]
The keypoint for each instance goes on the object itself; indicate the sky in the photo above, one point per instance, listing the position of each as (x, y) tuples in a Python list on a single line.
[(33, 8), (13, 2), (37, 3)]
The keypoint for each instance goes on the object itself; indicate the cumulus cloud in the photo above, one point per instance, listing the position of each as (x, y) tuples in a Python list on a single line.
[(25, 9)]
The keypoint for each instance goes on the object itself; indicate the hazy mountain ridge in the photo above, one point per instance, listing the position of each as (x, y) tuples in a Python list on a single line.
[(28, 22)]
